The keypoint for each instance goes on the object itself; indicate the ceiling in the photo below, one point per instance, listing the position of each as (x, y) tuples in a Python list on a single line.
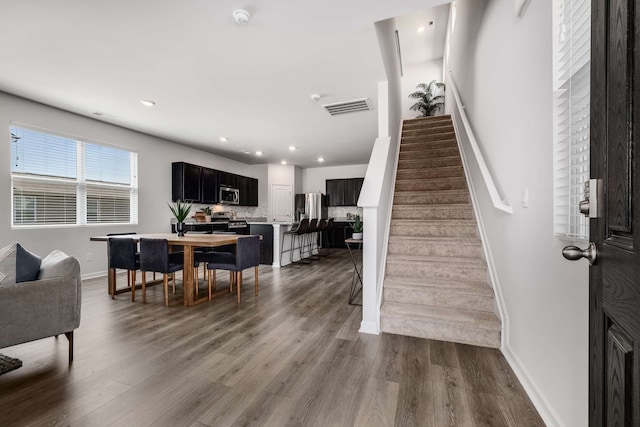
[(209, 76)]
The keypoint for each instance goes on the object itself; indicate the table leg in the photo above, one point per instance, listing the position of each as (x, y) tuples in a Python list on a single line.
[(187, 276)]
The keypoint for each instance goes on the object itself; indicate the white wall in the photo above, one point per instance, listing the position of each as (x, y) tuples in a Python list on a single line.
[(412, 76), (502, 67), (313, 179), (155, 156)]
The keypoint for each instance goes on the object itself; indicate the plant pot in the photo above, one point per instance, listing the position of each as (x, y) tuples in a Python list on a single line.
[(180, 229), (357, 236), (207, 218)]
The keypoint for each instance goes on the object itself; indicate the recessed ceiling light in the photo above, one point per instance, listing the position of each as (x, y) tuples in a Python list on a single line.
[(292, 148), (321, 159), (284, 162), (147, 103), (241, 16), (421, 29), (246, 152), (258, 153), (224, 139)]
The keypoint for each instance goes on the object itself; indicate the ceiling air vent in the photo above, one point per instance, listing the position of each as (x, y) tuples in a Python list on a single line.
[(349, 106)]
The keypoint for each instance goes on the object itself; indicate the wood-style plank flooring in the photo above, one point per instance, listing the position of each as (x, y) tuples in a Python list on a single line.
[(290, 357)]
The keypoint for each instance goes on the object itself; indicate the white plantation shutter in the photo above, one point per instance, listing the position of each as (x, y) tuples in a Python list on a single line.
[(571, 80), (59, 180)]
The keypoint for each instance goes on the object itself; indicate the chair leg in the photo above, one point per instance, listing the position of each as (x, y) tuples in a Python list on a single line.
[(144, 288), (173, 281), (231, 280), (133, 278), (239, 284), (128, 279), (165, 289), (69, 336), (209, 283), (256, 280), (133, 290), (115, 286)]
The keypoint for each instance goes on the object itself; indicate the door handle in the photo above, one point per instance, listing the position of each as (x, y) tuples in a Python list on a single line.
[(573, 253)]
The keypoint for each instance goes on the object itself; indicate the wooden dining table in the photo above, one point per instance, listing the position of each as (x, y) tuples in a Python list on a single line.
[(189, 242)]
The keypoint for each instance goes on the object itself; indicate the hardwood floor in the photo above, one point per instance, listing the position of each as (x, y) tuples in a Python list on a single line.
[(290, 357)]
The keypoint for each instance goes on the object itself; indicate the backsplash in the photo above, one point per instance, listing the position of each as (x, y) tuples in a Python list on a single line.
[(241, 211), (342, 211)]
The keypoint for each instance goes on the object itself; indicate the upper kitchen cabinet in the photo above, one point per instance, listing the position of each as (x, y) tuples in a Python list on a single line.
[(185, 182), (343, 192), (248, 188), (209, 183), (226, 179)]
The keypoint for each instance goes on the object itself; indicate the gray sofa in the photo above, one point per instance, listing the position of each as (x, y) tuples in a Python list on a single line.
[(45, 307)]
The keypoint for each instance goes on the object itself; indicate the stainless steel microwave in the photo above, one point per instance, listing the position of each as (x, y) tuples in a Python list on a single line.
[(229, 196)]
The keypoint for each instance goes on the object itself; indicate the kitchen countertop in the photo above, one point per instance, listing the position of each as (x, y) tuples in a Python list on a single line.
[(269, 222)]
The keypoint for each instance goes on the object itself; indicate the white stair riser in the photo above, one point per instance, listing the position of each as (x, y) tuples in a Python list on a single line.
[(438, 331)]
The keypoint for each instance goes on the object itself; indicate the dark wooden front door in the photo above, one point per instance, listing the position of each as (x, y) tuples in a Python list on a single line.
[(614, 377)]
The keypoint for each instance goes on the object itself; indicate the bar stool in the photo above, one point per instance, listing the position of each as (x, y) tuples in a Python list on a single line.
[(299, 232), (328, 231), (310, 234), (322, 229)]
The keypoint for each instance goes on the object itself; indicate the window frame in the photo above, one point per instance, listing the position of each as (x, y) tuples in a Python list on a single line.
[(80, 183)]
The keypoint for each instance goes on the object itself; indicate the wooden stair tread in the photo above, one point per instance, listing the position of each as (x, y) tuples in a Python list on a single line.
[(440, 260), (470, 241), (471, 319), (450, 286)]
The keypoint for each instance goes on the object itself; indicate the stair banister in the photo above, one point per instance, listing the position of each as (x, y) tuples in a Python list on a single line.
[(376, 201), (499, 202)]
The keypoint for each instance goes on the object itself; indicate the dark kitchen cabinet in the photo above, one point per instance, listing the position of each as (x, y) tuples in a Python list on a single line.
[(343, 192), (248, 188), (341, 232), (226, 179), (357, 188), (252, 198), (209, 183), (185, 182)]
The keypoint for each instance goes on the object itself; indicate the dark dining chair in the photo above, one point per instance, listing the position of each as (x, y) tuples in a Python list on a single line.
[(247, 255), (155, 257), (122, 254)]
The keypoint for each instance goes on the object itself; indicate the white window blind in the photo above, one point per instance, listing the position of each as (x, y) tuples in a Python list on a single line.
[(57, 180), (571, 80)]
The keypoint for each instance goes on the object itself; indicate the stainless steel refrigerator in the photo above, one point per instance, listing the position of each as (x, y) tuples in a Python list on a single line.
[(315, 205)]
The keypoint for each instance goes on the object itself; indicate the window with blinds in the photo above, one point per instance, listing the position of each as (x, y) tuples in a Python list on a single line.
[(571, 80), (59, 180)]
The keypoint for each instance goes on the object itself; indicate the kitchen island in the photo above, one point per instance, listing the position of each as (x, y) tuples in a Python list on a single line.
[(274, 231)]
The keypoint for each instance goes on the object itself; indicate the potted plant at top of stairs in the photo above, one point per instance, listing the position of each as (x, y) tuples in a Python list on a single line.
[(428, 100), (357, 228), (180, 211)]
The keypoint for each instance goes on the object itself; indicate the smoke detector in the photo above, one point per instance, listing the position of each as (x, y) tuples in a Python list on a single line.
[(241, 16)]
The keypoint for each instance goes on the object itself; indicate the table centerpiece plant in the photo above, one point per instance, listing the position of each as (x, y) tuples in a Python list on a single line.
[(180, 211)]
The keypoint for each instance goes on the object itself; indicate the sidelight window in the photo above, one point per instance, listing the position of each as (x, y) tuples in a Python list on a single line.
[(571, 80), (60, 180)]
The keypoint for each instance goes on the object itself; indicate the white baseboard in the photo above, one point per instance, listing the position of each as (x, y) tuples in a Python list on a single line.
[(369, 328), (94, 275), (549, 416)]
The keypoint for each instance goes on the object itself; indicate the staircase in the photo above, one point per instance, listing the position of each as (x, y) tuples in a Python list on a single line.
[(436, 282)]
